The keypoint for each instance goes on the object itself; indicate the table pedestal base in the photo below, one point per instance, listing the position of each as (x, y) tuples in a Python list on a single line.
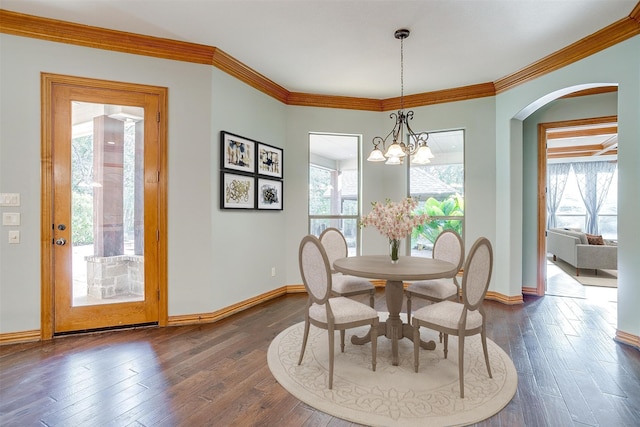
[(394, 328)]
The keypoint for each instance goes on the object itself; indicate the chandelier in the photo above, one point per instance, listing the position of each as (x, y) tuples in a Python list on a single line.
[(416, 146)]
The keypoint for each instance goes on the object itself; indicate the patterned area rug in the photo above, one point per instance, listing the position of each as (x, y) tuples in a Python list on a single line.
[(393, 395)]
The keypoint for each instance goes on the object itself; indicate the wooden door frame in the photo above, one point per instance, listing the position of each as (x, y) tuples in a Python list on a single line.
[(542, 189), (47, 81)]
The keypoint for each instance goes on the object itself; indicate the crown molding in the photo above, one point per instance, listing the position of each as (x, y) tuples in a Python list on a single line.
[(100, 38), (19, 24), (329, 101), (463, 93), (635, 13), (609, 36), (237, 69)]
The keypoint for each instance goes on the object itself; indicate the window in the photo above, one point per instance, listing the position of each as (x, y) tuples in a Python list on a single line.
[(334, 185), (439, 189), (608, 214), (572, 213)]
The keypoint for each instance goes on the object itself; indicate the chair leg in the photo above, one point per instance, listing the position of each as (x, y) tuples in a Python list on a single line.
[(342, 332), (461, 363), (331, 351), (304, 340), (416, 345), (409, 308), (446, 345), (483, 336), (372, 298), (374, 343)]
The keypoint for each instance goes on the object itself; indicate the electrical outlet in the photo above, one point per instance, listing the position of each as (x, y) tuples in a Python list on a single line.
[(14, 236), (273, 272)]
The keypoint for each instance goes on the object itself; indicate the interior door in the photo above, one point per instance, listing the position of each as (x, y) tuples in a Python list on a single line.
[(104, 222)]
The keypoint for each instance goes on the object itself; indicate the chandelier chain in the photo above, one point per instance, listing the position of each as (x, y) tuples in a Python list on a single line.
[(402, 74)]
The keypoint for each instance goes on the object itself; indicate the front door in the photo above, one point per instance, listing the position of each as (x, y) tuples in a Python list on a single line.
[(101, 235)]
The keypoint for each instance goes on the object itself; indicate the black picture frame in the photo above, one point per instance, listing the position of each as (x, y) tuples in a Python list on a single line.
[(237, 153), (237, 191), (270, 160), (269, 194)]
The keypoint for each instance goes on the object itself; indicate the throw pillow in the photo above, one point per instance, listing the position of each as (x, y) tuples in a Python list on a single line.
[(595, 240)]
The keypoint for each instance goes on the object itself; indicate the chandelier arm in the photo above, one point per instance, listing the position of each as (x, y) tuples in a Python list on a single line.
[(377, 141), (397, 128), (380, 140)]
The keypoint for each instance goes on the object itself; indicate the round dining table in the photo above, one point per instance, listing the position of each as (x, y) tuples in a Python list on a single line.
[(407, 268)]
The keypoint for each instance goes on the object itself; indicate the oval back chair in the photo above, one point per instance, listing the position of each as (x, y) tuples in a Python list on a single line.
[(344, 285), (461, 319), (327, 312), (447, 247)]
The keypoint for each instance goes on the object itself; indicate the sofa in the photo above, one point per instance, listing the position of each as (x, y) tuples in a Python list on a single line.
[(573, 247)]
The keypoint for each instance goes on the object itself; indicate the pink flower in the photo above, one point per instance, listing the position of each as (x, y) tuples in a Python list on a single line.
[(394, 220)]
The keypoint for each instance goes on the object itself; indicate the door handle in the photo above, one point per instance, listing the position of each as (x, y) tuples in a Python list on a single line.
[(61, 242)]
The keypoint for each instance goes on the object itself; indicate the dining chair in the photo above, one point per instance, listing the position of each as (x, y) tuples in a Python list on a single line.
[(344, 285), (461, 319), (327, 312), (447, 247)]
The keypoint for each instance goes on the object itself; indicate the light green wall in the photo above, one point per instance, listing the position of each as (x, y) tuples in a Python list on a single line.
[(218, 258), (620, 65)]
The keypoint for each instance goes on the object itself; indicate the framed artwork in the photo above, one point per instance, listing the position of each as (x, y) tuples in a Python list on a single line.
[(269, 194), (237, 191), (270, 160), (237, 153)]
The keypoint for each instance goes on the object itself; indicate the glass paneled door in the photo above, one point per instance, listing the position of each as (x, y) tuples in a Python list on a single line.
[(107, 207), (104, 208)]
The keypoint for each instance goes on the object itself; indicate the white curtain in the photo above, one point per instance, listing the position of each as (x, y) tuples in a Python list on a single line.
[(594, 179), (557, 174)]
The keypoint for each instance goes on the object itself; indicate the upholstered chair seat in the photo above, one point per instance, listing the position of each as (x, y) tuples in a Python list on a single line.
[(438, 289), (344, 310), (448, 313), (350, 285)]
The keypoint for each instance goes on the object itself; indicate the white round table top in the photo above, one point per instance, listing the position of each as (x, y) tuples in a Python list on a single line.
[(407, 268)]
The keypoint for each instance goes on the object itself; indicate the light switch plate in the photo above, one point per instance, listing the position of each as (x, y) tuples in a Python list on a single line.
[(10, 218), (9, 199)]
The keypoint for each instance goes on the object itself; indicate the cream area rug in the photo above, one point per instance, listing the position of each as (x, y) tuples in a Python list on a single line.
[(587, 277), (393, 395)]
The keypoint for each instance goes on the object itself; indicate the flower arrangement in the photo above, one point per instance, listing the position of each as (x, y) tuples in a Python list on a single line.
[(394, 220)]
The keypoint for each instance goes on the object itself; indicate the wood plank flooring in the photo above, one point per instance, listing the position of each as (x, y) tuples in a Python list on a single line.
[(570, 371)]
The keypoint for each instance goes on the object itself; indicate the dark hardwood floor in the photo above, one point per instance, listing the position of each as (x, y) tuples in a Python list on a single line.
[(570, 371)]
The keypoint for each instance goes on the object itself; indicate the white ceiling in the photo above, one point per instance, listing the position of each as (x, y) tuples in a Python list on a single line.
[(347, 47)]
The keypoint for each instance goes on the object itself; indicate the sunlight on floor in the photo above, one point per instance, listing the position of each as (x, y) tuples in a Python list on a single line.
[(561, 284)]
